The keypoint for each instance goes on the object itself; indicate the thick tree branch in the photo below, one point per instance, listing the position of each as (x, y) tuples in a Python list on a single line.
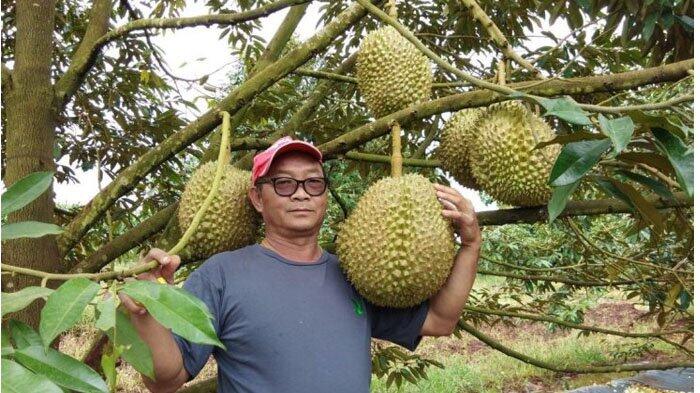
[(381, 159), (565, 368), (574, 208), (545, 88), (497, 36), (234, 101), (125, 242), (97, 27), (68, 84)]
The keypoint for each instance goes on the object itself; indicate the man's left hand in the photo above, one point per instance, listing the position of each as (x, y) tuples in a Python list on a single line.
[(461, 211)]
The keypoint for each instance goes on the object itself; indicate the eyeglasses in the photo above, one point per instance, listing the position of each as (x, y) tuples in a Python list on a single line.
[(287, 186)]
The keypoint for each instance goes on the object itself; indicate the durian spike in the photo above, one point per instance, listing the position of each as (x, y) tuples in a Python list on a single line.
[(396, 158), (223, 160)]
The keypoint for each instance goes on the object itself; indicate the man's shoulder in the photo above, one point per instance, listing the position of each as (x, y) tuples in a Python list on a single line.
[(221, 262)]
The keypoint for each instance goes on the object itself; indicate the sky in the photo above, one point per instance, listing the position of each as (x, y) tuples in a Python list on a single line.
[(194, 52)]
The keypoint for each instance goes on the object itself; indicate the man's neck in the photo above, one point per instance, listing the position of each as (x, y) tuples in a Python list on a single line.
[(298, 249)]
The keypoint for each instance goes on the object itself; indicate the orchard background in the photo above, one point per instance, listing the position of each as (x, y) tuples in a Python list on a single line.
[(85, 86)]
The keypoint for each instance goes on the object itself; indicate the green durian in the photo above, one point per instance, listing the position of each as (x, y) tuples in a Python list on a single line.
[(456, 142), (229, 223), (391, 72), (503, 158), (396, 248)]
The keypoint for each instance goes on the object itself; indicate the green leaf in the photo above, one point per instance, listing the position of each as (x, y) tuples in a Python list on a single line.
[(23, 335), (652, 159), (606, 185), (686, 21), (575, 160), (61, 369), (15, 301), (177, 310), (7, 349), (680, 156), (17, 379), (649, 24), (106, 310), (666, 122), (24, 191), (560, 195), (136, 352), (31, 229), (653, 184), (646, 210), (619, 131), (64, 307), (566, 109)]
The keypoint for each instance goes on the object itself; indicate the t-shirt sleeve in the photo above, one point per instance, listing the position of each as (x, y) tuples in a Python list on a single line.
[(202, 284), (401, 326)]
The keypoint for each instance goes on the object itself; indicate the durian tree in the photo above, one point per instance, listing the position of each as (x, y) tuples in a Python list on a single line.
[(583, 141)]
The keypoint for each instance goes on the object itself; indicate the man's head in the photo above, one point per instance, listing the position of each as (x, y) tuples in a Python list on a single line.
[(287, 205)]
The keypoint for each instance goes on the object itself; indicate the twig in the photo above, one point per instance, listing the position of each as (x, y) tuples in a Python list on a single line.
[(567, 369), (497, 36), (367, 157), (643, 107), (565, 280)]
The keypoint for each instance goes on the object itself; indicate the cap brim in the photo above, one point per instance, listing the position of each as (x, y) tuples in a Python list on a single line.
[(292, 146)]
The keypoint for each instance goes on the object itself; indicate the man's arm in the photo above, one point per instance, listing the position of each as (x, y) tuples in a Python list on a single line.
[(446, 306), (168, 365)]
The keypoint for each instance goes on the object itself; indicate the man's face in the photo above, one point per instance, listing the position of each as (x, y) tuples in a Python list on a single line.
[(299, 213)]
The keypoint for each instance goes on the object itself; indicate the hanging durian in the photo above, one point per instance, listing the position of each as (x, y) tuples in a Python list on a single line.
[(503, 158), (456, 142), (396, 247)]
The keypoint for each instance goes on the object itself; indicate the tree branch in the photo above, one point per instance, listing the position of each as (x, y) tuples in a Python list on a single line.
[(562, 279), (643, 107), (239, 97), (97, 26), (547, 318), (497, 36), (574, 208), (125, 242), (381, 159), (563, 368), (68, 84)]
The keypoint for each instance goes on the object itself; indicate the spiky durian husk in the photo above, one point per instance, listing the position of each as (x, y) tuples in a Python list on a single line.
[(396, 247), (229, 223), (455, 144), (391, 72), (503, 161)]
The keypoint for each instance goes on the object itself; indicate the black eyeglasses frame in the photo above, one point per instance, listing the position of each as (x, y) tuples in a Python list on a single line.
[(273, 180)]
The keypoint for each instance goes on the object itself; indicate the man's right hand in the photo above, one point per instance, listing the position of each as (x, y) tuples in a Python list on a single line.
[(167, 264)]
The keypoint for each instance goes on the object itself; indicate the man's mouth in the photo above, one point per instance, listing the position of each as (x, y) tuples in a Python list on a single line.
[(301, 210)]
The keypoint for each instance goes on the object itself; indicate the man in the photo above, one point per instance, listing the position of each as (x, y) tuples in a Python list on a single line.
[(289, 319)]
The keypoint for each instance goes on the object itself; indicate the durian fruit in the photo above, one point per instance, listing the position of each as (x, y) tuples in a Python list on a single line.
[(455, 144), (229, 223), (391, 72), (503, 160), (396, 248)]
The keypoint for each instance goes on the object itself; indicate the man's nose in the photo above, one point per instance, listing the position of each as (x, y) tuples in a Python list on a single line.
[(300, 193)]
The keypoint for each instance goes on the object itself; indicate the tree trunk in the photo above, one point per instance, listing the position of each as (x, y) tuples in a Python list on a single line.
[(30, 138)]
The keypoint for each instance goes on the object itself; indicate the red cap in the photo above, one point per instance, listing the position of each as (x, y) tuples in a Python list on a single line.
[(263, 160)]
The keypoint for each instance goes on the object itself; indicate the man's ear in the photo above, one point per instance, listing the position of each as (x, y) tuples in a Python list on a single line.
[(255, 198)]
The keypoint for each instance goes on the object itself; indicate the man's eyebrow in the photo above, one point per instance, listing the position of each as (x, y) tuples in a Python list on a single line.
[(285, 173)]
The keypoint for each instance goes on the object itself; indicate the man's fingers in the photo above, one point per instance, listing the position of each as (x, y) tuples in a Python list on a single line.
[(131, 305), (158, 255)]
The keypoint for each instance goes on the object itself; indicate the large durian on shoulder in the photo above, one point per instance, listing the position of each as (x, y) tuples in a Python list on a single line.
[(396, 248), (391, 72), (504, 160), (229, 223), (456, 143)]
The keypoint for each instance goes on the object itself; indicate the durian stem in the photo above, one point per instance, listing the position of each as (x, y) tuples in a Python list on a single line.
[(391, 9), (224, 158), (501, 73), (396, 158)]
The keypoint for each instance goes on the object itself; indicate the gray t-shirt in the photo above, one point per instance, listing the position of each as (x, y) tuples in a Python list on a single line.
[(291, 327)]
